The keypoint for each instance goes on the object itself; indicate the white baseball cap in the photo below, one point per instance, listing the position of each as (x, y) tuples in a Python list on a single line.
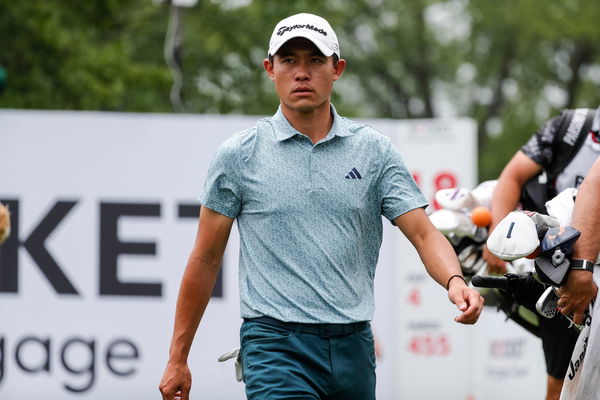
[(309, 26)]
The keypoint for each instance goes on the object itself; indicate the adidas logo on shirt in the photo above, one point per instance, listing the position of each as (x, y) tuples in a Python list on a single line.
[(354, 174)]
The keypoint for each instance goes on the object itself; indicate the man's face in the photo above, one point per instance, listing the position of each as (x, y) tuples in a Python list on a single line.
[(303, 76)]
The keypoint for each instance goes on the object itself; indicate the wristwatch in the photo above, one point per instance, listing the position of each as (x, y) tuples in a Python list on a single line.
[(582, 265)]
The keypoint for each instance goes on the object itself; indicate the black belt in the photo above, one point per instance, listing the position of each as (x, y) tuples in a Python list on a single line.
[(323, 330)]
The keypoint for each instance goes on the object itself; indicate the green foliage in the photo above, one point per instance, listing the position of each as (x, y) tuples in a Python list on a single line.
[(533, 59), (509, 64), (66, 54)]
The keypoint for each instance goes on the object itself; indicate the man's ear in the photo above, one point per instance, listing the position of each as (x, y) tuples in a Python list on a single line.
[(268, 67), (339, 68)]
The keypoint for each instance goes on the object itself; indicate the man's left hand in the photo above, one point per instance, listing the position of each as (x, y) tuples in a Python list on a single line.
[(467, 300), (576, 294)]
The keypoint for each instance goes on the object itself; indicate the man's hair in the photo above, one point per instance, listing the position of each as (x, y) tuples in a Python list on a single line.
[(334, 57)]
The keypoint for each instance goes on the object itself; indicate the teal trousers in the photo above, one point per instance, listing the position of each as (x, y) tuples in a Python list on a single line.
[(306, 361)]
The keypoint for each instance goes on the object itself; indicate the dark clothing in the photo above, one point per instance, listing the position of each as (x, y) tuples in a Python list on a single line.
[(558, 341)]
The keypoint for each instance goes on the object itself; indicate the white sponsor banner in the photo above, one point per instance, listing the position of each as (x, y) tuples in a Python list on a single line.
[(104, 212), (436, 357)]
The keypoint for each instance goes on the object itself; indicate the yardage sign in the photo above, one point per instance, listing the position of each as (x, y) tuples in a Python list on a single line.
[(104, 214)]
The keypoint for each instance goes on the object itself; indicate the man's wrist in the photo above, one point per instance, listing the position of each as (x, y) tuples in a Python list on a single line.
[(578, 264), (452, 277)]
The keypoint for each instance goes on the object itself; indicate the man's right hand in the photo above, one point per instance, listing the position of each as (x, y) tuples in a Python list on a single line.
[(176, 382), (577, 294), (495, 265)]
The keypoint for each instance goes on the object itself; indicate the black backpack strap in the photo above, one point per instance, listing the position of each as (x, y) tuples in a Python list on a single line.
[(573, 128), (572, 131)]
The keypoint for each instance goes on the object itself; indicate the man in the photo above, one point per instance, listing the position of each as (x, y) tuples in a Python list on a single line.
[(542, 152), (308, 189), (581, 289)]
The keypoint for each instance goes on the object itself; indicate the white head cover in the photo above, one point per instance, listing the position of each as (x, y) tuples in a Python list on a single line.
[(514, 237), (452, 223), (482, 194), (561, 206), (455, 199), (309, 26)]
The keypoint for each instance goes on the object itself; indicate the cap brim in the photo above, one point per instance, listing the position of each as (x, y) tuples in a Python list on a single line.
[(327, 52)]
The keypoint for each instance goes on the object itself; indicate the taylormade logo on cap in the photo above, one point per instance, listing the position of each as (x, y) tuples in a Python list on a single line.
[(285, 29), (309, 26)]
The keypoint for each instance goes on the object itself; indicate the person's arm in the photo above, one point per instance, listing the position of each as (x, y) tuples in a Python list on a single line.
[(441, 262), (506, 197), (580, 289), (4, 223), (194, 293)]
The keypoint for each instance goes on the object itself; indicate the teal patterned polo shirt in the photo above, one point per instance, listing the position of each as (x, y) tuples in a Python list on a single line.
[(309, 216)]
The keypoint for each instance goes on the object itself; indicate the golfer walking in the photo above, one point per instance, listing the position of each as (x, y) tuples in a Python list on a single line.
[(308, 189)]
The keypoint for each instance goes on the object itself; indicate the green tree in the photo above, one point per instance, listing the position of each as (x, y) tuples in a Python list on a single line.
[(531, 60), (510, 65), (90, 55)]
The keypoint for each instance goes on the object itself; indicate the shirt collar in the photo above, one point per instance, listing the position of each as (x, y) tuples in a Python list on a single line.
[(284, 130)]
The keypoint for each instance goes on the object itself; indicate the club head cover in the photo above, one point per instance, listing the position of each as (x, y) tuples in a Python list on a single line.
[(542, 222), (553, 264), (561, 206), (514, 237), (561, 237), (543, 219), (454, 199), (451, 222), (482, 194)]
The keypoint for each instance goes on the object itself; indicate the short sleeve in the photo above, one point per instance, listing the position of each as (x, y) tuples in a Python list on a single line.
[(540, 146), (222, 190), (398, 190)]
